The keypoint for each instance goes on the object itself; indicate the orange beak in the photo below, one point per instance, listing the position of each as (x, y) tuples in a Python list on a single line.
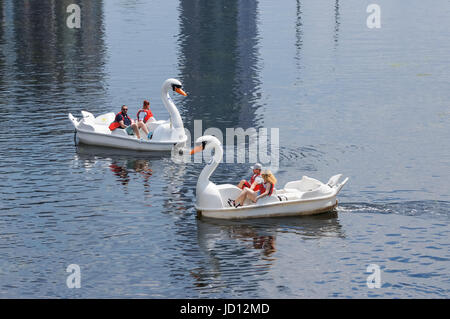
[(196, 149), (180, 91)]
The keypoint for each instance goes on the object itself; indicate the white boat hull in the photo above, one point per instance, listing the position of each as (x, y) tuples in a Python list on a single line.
[(307, 196), (100, 139), (165, 135), (281, 209), (94, 131)]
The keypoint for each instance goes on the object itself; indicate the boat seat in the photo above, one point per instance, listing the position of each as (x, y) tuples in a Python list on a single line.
[(153, 124), (227, 191), (306, 184), (312, 194), (289, 196), (265, 200), (286, 191)]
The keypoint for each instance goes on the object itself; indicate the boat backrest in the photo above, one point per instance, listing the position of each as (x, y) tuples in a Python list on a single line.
[(87, 115), (227, 191), (334, 180), (153, 124)]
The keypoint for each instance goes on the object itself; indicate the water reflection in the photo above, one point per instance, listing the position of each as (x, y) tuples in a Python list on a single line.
[(252, 245), (219, 62), (121, 171), (100, 151), (337, 22), (120, 162), (44, 59), (3, 43), (219, 65), (178, 189), (298, 37), (316, 226)]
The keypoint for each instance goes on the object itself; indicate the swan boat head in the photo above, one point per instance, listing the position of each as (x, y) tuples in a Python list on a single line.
[(208, 142), (175, 117), (174, 85), (171, 130), (208, 194)]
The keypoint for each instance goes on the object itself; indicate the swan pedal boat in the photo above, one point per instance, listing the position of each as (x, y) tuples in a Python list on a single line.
[(307, 196), (167, 134)]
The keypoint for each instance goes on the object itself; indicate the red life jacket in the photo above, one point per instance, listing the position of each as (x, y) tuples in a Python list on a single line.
[(259, 187), (262, 188), (252, 179), (272, 187), (148, 115), (116, 124)]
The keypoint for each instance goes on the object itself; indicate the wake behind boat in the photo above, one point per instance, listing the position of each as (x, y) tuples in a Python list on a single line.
[(306, 196), (166, 134)]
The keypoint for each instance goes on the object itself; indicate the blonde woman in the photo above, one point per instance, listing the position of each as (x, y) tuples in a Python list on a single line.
[(266, 189)]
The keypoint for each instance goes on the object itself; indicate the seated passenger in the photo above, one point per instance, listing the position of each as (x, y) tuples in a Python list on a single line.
[(123, 121), (266, 189), (256, 172), (145, 116)]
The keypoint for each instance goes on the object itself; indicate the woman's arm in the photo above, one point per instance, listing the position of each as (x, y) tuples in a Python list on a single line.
[(262, 195), (267, 191)]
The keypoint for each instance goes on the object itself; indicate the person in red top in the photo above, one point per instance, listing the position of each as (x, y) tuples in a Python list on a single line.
[(256, 172), (145, 116), (267, 189), (123, 121)]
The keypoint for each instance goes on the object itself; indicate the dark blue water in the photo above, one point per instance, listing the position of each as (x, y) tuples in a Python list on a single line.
[(372, 104)]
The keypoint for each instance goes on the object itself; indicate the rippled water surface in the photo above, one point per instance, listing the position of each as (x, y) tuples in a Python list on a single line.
[(372, 104)]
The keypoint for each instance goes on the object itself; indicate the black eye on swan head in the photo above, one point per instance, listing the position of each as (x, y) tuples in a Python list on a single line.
[(177, 88)]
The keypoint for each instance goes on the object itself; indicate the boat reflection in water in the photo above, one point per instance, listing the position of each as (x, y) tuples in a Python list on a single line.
[(120, 162), (139, 166), (132, 169), (254, 246), (106, 152)]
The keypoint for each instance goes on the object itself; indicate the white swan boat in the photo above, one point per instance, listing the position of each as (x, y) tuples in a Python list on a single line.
[(306, 196), (166, 134)]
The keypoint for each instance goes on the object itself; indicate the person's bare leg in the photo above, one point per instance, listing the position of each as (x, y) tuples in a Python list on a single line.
[(143, 127), (246, 193), (251, 195), (240, 199), (136, 130)]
